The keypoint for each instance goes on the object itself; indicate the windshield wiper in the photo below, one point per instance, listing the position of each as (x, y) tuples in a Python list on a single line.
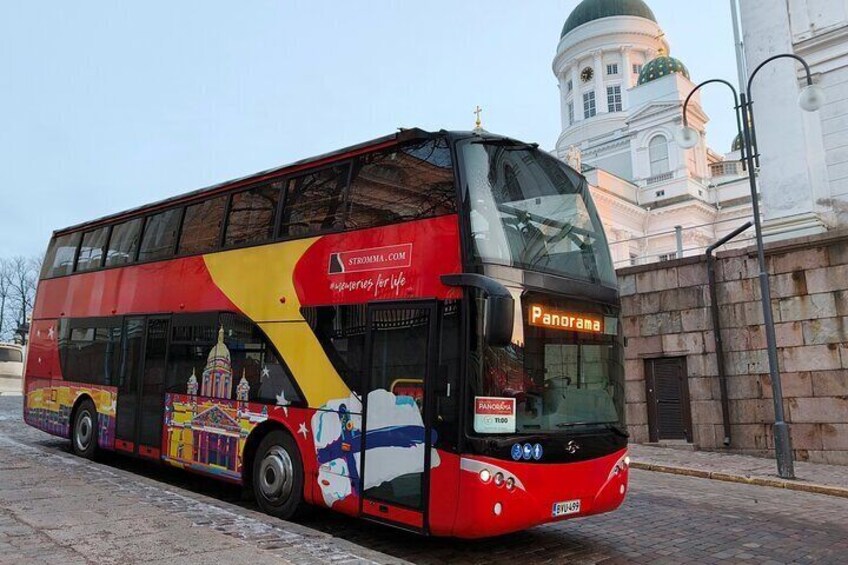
[(606, 425)]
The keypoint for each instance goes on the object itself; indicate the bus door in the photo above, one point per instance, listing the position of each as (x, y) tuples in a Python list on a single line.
[(141, 389), (397, 430)]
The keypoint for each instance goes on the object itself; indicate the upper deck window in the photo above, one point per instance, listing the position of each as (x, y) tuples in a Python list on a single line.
[(315, 202), (124, 242), (92, 248), (529, 211), (202, 226), (60, 256), (160, 235), (252, 215), (401, 184)]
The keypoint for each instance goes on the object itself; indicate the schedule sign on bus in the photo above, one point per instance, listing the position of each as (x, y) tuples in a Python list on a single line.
[(545, 317), (494, 415)]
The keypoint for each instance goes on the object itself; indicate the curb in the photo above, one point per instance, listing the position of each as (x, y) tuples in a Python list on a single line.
[(743, 479)]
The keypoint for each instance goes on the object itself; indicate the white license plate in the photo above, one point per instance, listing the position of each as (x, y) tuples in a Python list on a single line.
[(566, 508)]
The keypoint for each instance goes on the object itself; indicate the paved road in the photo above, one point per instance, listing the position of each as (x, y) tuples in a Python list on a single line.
[(666, 519)]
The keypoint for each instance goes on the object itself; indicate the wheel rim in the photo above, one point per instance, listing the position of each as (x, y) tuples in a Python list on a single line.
[(84, 431), (275, 475)]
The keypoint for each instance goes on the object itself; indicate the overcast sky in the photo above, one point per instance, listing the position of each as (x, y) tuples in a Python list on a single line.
[(107, 105)]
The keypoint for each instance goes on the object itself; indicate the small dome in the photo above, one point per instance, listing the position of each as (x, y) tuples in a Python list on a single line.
[(737, 143), (591, 10), (660, 67)]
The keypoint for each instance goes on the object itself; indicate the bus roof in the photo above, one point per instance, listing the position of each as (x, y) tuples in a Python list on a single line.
[(402, 135), (386, 141)]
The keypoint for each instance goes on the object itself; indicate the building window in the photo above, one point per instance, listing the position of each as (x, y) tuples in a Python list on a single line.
[(637, 68), (612, 69), (634, 259), (614, 98), (660, 193), (589, 109), (658, 153), (665, 257), (569, 86), (570, 113)]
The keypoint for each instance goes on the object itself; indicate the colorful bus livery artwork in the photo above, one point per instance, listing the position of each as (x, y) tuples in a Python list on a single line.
[(378, 330)]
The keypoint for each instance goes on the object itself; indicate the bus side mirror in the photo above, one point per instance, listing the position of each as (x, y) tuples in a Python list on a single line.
[(498, 319)]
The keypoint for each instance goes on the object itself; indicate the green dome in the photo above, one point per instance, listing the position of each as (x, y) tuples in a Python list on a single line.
[(737, 143), (591, 10), (660, 67)]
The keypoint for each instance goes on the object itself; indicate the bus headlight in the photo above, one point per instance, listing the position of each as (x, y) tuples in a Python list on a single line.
[(510, 483), (485, 475), (627, 461), (499, 479)]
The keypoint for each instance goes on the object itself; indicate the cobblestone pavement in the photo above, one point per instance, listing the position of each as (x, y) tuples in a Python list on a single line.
[(808, 475), (666, 519)]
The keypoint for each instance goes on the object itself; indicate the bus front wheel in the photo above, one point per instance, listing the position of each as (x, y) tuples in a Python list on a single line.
[(278, 476), (84, 430)]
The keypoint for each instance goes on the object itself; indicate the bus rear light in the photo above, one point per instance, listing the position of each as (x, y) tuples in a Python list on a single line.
[(499, 479), (510, 483), (485, 475), (498, 509)]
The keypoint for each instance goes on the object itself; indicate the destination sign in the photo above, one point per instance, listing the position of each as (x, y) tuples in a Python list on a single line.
[(546, 317)]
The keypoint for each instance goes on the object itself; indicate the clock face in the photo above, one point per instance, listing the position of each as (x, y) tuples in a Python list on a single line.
[(587, 74)]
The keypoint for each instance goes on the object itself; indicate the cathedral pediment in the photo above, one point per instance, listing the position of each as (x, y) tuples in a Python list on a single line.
[(653, 109)]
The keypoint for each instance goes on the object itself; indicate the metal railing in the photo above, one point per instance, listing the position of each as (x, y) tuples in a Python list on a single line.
[(681, 250)]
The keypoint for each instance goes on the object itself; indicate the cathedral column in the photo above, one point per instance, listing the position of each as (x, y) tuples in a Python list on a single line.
[(600, 91), (627, 84), (576, 97)]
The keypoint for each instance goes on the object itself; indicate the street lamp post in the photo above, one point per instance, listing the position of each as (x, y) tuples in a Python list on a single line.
[(810, 100)]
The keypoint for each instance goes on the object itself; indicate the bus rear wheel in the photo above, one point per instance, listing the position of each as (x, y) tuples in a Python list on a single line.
[(84, 430), (278, 476)]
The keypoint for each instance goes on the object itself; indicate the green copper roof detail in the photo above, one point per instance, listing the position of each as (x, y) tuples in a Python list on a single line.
[(591, 10), (662, 66)]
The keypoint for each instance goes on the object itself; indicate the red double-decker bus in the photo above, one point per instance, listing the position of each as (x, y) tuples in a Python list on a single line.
[(421, 330)]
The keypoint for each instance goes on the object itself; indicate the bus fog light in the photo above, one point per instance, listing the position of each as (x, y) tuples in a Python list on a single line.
[(499, 479), (621, 490), (485, 475), (510, 483), (498, 509)]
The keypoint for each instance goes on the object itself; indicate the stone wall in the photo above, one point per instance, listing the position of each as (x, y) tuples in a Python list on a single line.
[(666, 313)]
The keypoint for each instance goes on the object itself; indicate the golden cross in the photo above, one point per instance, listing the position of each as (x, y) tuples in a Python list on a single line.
[(478, 111)]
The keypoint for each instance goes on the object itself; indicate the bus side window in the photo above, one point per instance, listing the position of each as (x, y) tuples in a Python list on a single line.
[(252, 215), (341, 332), (60, 256), (401, 184), (314, 202), (160, 235), (255, 359), (123, 242)]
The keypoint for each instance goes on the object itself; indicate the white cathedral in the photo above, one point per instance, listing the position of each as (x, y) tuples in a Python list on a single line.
[(622, 95)]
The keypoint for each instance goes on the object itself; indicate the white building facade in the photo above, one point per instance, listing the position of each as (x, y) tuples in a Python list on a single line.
[(621, 97), (804, 156)]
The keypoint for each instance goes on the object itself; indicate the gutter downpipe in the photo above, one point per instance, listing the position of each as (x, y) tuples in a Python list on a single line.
[(719, 346)]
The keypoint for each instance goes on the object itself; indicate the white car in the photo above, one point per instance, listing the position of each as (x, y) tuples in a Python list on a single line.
[(11, 367)]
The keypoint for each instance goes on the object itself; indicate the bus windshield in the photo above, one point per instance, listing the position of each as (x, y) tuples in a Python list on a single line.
[(553, 378), (528, 210)]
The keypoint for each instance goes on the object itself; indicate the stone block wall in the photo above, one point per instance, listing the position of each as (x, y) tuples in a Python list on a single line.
[(666, 313)]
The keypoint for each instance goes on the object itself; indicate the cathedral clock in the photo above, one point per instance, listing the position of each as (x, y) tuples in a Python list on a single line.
[(587, 74)]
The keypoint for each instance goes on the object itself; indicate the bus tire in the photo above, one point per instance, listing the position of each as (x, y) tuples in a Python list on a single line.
[(278, 476), (84, 430)]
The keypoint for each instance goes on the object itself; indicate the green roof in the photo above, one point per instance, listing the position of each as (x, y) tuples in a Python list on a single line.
[(591, 10), (662, 66)]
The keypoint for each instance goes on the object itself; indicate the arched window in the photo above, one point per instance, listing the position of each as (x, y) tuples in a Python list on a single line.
[(658, 153)]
